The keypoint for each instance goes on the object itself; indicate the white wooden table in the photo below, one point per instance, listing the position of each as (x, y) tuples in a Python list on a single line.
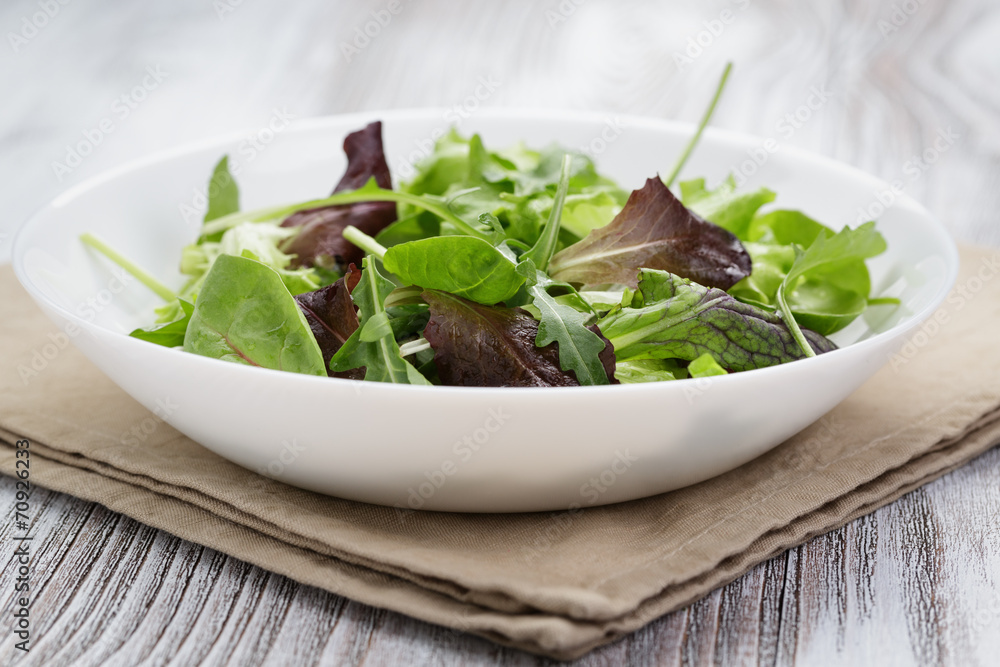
[(917, 582)]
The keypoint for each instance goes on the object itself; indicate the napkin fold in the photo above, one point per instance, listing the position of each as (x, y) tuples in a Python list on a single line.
[(559, 583)]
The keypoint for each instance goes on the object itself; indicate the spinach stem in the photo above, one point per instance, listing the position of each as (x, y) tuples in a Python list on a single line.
[(363, 241), (145, 278), (701, 128)]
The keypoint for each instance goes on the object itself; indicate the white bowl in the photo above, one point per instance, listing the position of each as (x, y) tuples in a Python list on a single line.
[(450, 448)]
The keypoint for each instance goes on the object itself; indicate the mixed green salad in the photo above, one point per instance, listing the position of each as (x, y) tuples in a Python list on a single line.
[(510, 267)]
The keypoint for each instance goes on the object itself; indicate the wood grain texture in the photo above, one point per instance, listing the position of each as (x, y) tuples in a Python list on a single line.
[(917, 582)]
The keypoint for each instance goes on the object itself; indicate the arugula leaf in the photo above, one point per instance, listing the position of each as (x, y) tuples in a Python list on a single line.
[(332, 318), (223, 193), (169, 334), (373, 345), (245, 314), (826, 256), (320, 241), (516, 184), (492, 346), (464, 265), (724, 206), (579, 346), (674, 318), (655, 231)]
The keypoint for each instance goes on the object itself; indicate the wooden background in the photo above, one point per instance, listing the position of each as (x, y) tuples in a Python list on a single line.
[(915, 583)]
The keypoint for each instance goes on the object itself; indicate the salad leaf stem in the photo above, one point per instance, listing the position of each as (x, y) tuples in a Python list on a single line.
[(141, 275), (669, 180), (545, 246), (414, 346), (793, 326), (363, 241), (370, 192)]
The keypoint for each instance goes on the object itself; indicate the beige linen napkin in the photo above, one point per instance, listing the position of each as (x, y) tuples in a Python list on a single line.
[(557, 584)]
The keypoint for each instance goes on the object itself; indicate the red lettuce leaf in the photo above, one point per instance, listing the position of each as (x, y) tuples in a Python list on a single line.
[(654, 230), (321, 241), (332, 318), (492, 346)]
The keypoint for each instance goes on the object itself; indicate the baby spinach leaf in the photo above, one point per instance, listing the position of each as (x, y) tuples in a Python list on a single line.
[(245, 314), (410, 228), (724, 206), (771, 263), (170, 334), (655, 231), (319, 241), (373, 345), (785, 227), (674, 318), (834, 258), (464, 265), (223, 194), (332, 318), (824, 298), (493, 346)]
